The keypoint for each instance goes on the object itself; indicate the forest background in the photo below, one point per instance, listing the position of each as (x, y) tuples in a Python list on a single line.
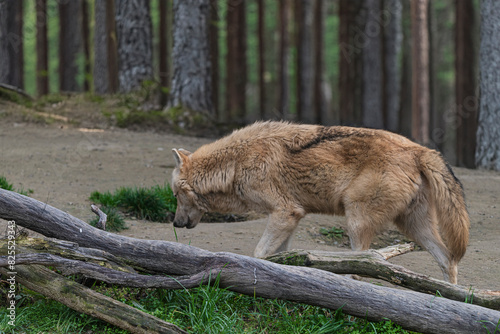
[(411, 67)]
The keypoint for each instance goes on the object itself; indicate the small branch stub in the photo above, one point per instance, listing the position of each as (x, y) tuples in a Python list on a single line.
[(101, 224)]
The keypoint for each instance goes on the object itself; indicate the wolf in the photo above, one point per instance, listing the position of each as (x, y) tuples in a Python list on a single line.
[(288, 170)]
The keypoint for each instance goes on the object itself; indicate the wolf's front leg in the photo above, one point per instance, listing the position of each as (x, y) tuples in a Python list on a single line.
[(279, 232)]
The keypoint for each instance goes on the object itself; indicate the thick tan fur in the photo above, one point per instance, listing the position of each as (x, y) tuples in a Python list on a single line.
[(288, 170)]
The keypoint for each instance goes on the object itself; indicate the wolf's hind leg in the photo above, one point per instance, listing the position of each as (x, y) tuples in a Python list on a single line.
[(279, 232), (420, 224)]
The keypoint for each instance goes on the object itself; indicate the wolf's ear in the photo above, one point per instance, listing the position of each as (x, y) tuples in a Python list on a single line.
[(185, 152), (180, 156)]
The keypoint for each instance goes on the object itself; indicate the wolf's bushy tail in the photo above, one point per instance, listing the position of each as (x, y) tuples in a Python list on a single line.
[(448, 196)]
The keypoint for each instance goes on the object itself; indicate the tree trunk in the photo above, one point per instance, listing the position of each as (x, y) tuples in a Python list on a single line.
[(350, 64), (284, 56), (393, 37), (405, 113), (261, 52), (70, 37), (488, 133), (214, 54), (100, 73), (319, 103), (420, 69), (105, 50), (135, 49), (465, 84), (373, 76), (112, 47), (11, 43), (86, 45), (236, 72), (163, 50), (305, 69), (42, 65), (191, 83), (5, 13), (243, 274)]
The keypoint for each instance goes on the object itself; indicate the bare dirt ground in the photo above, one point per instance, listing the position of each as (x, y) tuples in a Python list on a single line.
[(63, 163)]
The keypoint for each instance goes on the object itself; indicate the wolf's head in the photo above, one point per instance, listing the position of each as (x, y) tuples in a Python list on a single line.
[(189, 210)]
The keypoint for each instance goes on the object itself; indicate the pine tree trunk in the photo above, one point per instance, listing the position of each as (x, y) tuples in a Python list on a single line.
[(405, 113), (162, 50), (261, 52), (100, 72), (69, 44), (236, 62), (373, 77), (465, 84), (319, 103), (420, 69), (135, 48), (393, 36), (350, 64), (488, 134), (42, 65), (86, 45), (4, 41), (191, 83), (112, 47), (11, 43), (284, 56), (305, 69), (214, 54)]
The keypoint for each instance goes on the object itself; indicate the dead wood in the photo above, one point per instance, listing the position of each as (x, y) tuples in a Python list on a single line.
[(101, 224), (373, 263), (16, 90), (85, 300), (243, 274)]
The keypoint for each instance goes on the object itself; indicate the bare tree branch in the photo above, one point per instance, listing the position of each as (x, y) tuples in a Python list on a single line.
[(101, 224)]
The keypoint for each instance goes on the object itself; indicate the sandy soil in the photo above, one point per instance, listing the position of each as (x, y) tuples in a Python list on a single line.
[(63, 164)]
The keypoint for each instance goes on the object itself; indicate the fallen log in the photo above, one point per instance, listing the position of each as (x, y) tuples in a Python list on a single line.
[(243, 274), (373, 263), (85, 300)]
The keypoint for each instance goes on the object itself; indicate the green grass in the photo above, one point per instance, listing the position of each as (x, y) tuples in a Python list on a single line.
[(333, 233), (114, 222), (49, 316), (153, 203), (4, 184), (206, 309)]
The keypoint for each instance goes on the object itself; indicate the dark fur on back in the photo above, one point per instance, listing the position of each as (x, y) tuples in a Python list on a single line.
[(325, 134)]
